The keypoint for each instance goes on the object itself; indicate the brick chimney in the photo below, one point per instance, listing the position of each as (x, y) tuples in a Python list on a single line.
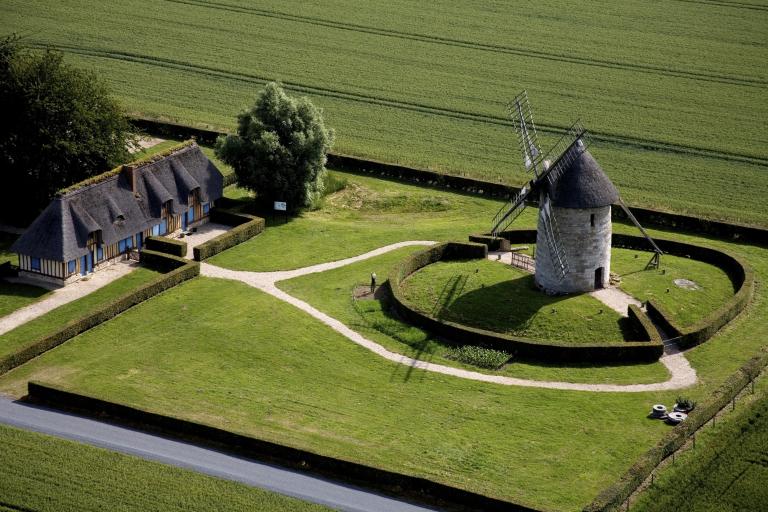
[(131, 174)]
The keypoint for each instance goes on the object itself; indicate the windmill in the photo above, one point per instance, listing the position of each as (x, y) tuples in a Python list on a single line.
[(573, 239)]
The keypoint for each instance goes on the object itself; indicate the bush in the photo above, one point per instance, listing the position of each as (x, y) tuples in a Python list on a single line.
[(246, 227), (166, 245), (178, 270), (479, 356)]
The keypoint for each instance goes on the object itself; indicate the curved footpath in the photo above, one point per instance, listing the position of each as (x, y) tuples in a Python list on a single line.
[(682, 374), (336, 495)]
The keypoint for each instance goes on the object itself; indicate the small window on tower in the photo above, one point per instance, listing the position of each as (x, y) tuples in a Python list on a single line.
[(592, 220)]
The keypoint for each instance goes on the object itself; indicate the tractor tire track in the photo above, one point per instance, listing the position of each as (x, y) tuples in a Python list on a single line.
[(521, 51), (636, 143), (725, 3)]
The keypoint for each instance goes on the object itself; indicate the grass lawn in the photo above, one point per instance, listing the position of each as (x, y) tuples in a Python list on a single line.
[(14, 296), (728, 470), (48, 474), (12, 340), (403, 82), (331, 292), (502, 298), (272, 372), (368, 214), (687, 305), (6, 240)]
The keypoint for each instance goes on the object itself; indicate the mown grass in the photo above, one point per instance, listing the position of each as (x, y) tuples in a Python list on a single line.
[(330, 292), (12, 340), (728, 469), (678, 106), (687, 305), (6, 240), (47, 474), (275, 373), (365, 215), (15, 295), (501, 298)]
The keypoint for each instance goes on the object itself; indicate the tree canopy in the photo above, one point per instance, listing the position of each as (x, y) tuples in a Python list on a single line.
[(59, 126), (279, 151)]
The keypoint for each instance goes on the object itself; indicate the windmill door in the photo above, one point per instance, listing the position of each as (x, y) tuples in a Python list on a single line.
[(598, 278)]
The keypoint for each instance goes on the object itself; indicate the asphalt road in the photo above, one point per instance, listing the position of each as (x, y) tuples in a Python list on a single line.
[(203, 460)]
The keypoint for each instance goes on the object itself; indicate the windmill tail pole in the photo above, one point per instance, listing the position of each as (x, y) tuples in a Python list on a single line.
[(658, 251)]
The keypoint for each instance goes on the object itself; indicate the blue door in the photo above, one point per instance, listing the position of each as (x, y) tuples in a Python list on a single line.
[(184, 222), (139, 240), (84, 265)]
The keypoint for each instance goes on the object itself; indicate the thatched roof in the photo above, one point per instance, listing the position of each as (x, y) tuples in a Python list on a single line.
[(61, 232), (584, 185)]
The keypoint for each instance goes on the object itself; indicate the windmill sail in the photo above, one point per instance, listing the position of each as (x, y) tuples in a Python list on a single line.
[(519, 110), (556, 252)]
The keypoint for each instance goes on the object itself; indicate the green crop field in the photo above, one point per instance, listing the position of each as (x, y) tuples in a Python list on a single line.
[(274, 372), (728, 470), (47, 474), (674, 93)]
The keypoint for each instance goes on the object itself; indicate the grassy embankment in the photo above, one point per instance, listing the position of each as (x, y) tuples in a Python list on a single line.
[(244, 372), (678, 108), (47, 474)]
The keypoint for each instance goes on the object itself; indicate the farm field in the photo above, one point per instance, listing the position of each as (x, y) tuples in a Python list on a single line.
[(728, 469), (254, 378), (678, 110), (47, 474)]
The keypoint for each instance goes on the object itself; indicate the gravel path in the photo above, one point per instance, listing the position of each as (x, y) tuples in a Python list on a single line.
[(615, 299), (204, 233), (683, 375), (63, 295)]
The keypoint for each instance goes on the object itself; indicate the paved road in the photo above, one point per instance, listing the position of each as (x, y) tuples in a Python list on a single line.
[(203, 460)]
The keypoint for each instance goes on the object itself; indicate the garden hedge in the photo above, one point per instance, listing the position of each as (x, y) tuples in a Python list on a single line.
[(176, 270), (649, 350), (641, 320), (614, 496), (166, 245), (396, 484), (739, 272), (245, 228)]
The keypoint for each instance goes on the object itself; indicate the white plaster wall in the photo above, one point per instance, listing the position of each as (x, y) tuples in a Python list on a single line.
[(586, 248)]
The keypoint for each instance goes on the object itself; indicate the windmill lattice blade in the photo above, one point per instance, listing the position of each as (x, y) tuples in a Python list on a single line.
[(552, 235), (510, 211), (519, 110)]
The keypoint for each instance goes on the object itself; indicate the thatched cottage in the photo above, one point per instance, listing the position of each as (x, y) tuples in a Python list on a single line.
[(104, 218)]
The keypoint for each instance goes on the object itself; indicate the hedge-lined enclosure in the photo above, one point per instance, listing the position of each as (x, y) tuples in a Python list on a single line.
[(400, 485), (614, 496), (648, 350), (245, 227), (739, 272), (176, 270), (166, 245)]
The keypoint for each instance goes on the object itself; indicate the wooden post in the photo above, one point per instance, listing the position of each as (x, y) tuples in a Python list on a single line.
[(733, 403)]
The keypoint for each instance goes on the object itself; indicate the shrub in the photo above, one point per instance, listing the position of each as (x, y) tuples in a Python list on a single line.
[(246, 227), (479, 356), (166, 245), (177, 270)]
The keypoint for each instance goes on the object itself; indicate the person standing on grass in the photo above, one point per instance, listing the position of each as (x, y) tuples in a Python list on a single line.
[(373, 281)]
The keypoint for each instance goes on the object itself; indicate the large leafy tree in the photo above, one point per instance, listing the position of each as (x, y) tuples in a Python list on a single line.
[(279, 151), (59, 126)]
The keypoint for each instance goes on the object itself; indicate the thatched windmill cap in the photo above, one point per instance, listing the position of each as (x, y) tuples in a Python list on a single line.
[(584, 185)]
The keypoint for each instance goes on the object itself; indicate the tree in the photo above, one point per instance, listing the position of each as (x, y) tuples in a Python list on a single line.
[(279, 151), (59, 126)]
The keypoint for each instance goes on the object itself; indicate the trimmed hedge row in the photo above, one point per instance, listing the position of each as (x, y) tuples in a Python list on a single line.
[(403, 486), (612, 497), (166, 245), (229, 179), (650, 333), (245, 227), (739, 272), (177, 270), (521, 347)]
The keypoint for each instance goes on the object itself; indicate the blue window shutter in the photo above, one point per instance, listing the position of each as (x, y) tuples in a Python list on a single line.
[(71, 266), (35, 264)]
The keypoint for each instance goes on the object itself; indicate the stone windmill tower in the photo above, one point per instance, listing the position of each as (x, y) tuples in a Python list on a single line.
[(573, 239)]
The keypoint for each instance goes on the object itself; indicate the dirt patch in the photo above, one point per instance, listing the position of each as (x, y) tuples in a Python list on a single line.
[(363, 292)]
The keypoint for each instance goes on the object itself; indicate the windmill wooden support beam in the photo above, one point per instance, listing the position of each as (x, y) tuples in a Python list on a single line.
[(656, 259)]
